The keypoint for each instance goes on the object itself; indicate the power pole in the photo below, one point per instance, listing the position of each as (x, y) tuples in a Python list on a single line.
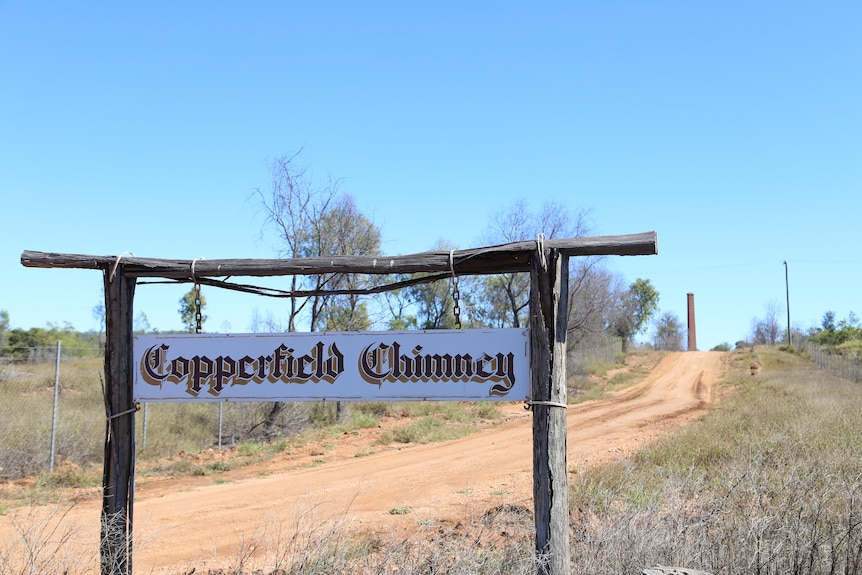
[(787, 290)]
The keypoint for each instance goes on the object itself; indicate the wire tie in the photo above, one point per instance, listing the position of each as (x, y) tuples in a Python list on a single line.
[(194, 261), (128, 411), (117, 264), (530, 404), (452, 262), (540, 245)]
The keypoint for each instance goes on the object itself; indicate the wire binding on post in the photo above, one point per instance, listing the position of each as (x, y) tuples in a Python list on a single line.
[(529, 404), (128, 411), (194, 261), (117, 264), (540, 246)]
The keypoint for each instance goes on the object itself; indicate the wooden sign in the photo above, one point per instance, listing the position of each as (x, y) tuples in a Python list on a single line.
[(480, 364), (164, 369)]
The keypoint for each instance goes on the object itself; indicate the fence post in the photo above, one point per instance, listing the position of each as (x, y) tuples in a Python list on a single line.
[(54, 409), (144, 431), (220, 404)]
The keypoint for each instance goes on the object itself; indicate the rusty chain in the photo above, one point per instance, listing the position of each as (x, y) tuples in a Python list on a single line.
[(198, 306)]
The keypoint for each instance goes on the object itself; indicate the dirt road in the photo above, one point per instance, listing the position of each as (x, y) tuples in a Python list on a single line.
[(183, 523)]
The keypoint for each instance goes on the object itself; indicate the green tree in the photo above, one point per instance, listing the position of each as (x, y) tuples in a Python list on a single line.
[(503, 300), (633, 311), (26, 344), (435, 305), (351, 316), (834, 333), (40, 344), (188, 310), (344, 231), (429, 305), (398, 305), (4, 326), (434, 302)]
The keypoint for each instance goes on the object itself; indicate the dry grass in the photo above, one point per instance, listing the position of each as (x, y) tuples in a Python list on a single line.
[(769, 482), (26, 396), (43, 541), (597, 379), (308, 546)]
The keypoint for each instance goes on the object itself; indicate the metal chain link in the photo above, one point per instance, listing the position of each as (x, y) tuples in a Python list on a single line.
[(198, 306), (456, 309)]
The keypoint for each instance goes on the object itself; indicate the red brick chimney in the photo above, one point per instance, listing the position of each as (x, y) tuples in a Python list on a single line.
[(692, 332)]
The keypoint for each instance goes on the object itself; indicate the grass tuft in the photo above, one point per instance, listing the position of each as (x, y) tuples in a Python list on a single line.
[(425, 430)]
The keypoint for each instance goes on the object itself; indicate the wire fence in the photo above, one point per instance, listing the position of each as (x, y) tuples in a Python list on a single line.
[(34, 433), (49, 411), (52, 412), (597, 350), (843, 366)]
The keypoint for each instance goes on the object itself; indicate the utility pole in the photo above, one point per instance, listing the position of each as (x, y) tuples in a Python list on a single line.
[(787, 290)]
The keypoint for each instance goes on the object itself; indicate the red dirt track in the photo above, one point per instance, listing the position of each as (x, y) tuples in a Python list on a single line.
[(193, 522)]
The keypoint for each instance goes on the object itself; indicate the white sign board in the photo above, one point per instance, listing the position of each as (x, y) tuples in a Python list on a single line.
[(480, 364)]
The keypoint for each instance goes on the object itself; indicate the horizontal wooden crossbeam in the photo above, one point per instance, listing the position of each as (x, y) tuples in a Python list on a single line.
[(505, 258)]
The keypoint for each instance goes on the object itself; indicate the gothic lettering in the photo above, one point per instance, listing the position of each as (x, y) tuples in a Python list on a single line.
[(396, 369), (382, 363), (322, 363)]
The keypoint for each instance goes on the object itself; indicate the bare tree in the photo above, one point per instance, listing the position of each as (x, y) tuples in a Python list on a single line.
[(593, 293), (766, 331), (397, 306), (668, 332), (505, 297), (315, 221), (269, 323), (294, 207)]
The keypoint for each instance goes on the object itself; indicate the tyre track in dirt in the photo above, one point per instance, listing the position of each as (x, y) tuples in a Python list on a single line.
[(454, 481)]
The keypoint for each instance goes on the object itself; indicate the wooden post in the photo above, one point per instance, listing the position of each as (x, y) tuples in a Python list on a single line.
[(549, 280), (119, 465)]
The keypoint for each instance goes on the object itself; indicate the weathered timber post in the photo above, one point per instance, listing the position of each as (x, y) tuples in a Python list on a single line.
[(119, 465), (549, 281)]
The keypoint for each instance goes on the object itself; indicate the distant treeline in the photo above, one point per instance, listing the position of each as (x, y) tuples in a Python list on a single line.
[(842, 336), (35, 343)]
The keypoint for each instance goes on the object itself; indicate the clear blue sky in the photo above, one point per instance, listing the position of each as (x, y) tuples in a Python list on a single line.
[(733, 129)]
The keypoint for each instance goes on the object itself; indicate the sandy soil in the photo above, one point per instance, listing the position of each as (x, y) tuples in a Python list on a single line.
[(198, 521)]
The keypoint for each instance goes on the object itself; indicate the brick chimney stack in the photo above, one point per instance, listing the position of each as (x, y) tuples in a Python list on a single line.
[(692, 332)]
